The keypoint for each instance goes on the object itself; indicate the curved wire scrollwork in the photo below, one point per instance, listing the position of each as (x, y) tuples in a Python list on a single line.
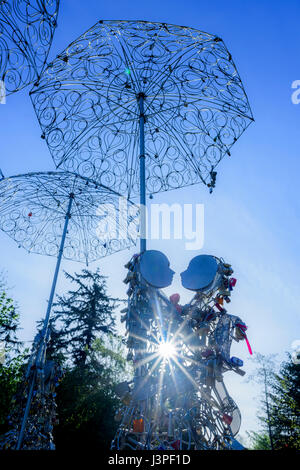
[(195, 106), (26, 33), (33, 209)]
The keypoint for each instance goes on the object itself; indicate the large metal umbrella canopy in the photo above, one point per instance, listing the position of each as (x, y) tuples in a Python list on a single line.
[(63, 214), (26, 33), (142, 107)]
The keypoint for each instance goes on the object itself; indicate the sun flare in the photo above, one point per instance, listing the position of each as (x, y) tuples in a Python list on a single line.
[(166, 350)]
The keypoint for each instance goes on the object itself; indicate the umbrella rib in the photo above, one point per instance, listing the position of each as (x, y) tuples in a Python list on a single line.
[(46, 207), (155, 114), (186, 152), (118, 105), (90, 127), (148, 62), (21, 41), (176, 59), (125, 57), (177, 107), (39, 232), (214, 99), (97, 125), (43, 185), (198, 100)]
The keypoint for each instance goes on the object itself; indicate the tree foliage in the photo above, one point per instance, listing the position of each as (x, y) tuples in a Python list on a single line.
[(285, 406), (83, 339), (9, 323), (11, 360), (259, 440), (264, 375), (86, 400), (83, 314), (280, 405)]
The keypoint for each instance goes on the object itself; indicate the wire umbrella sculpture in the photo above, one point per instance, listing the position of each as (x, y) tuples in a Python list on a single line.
[(65, 215), (142, 107), (33, 208), (26, 32)]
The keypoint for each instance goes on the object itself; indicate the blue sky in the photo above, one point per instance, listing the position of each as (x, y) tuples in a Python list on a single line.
[(251, 219)]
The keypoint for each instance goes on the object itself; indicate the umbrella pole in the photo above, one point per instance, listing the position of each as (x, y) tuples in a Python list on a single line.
[(142, 174), (41, 352)]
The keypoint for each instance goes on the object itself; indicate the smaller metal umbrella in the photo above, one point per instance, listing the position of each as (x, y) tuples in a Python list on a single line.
[(26, 33), (63, 214)]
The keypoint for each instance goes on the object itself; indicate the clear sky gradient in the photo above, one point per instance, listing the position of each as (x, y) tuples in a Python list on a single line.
[(252, 217)]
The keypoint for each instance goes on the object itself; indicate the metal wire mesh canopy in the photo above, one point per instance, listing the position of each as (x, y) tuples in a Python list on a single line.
[(183, 84), (33, 209), (63, 214), (26, 33)]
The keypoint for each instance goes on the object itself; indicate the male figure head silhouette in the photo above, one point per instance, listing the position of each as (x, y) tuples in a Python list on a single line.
[(200, 274), (155, 269)]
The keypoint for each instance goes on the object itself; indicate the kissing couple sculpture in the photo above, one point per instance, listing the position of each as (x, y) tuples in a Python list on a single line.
[(190, 344)]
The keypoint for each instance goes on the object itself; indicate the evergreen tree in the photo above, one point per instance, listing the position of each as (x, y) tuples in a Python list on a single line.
[(57, 344), (11, 361), (285, 406), (9, 323), (83, 314), (264, 375), (83, 340), (86, 399), (259, 440), (11, 374), (280, 405)]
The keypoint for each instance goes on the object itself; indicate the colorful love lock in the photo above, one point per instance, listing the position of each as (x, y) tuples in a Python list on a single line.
[(227, 419), (176, 445), (174, 299), (243, 329), (236, 362), (138, 425), (232, 283)]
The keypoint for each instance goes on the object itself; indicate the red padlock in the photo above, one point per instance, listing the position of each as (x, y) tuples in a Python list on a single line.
[(174, 299), (227, 419), (176, 445)]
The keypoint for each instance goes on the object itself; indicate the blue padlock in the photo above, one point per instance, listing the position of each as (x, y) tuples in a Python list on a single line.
[(236, 362)]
